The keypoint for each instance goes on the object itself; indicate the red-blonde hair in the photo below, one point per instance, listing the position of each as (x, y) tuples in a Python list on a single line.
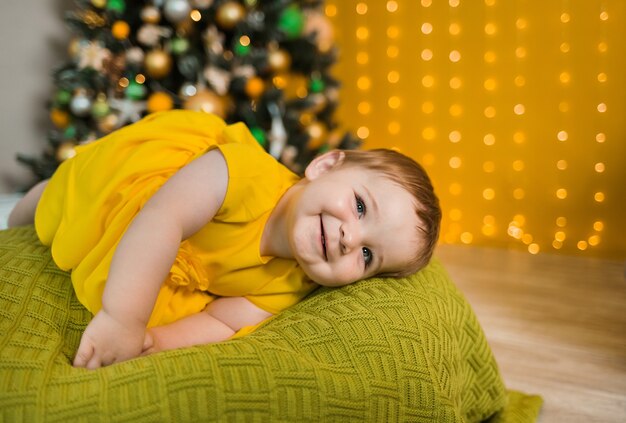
[(411, 176)]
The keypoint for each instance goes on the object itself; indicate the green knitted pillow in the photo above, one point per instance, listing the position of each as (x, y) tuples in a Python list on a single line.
[(379, 350)]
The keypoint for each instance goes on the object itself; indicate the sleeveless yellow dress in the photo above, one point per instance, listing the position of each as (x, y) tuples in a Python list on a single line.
[(93, 197)]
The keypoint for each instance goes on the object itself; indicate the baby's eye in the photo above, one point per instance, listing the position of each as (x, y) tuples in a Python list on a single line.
[(360, 206), (367, 256)]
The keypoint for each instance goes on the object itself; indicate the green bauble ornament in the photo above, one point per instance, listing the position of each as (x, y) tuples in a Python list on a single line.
[(118, 6), (100, 108), (63, 97), (259, 134), (291, 21), (240, 49), (180, 45), (317, 85), (69, 133), (135, 91)]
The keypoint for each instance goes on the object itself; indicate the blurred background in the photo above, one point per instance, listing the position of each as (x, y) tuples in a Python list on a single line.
[(516, 108)]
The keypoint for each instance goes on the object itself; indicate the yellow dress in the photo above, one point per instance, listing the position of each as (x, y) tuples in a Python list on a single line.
[(92, 198)]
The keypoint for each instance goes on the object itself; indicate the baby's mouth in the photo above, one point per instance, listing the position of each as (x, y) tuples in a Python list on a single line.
[(323, 239)]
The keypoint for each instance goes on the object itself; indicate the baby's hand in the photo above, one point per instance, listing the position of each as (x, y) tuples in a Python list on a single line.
[(108, 340), (150, 343)]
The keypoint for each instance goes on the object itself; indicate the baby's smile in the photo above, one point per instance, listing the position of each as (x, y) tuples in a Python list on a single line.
[(323, 238)]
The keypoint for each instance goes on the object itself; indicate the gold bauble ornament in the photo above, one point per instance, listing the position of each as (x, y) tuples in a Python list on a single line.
[(99, 3), (92, 18), (158, 64), (65, 151), (151, 14), (202, 4), (108, 123), (159, 101), (230, 14), (206, 101), (73, 48), (185, 27), (317, 133), (254, 87), (279, 60)]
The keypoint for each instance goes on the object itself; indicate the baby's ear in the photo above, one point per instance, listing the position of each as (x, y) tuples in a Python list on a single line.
[(324, 163)]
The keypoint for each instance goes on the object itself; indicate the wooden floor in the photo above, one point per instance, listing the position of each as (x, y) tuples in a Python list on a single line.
[(556, 324)]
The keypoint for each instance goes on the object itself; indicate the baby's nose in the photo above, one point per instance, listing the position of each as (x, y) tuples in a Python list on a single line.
[(350, 237)]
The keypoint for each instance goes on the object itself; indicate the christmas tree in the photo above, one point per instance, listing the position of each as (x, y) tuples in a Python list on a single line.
[(262, 62)]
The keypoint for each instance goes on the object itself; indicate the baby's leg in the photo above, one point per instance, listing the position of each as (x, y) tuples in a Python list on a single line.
[(24, 211)]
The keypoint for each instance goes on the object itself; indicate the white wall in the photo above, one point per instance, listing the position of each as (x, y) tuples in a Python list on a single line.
[(33, 40)]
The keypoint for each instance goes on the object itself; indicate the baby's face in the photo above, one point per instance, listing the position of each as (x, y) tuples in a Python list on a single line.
[(351, 223)]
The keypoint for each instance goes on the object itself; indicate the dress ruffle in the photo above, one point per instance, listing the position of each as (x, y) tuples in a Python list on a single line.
[(188, 271)]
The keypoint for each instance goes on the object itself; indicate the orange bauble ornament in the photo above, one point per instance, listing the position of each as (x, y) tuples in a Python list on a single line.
[(254, 87), (120, 30), (158, 102), (59, 118)]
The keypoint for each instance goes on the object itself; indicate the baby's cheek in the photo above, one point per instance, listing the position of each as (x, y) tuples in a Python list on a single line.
[(325, 275), (345, 274)]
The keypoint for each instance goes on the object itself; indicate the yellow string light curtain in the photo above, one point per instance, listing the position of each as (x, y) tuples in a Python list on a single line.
[(515, 108)]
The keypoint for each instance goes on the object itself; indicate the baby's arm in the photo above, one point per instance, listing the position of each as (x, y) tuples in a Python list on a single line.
[(144, 257), (218, 322), (24, 211)]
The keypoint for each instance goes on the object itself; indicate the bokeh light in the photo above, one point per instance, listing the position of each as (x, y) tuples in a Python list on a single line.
[(513, 109)]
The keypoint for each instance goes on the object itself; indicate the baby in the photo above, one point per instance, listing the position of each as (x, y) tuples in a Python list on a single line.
[(180, 230)]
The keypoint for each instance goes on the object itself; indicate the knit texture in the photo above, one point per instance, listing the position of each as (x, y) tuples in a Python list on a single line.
[(378, 350), (520, 408)]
